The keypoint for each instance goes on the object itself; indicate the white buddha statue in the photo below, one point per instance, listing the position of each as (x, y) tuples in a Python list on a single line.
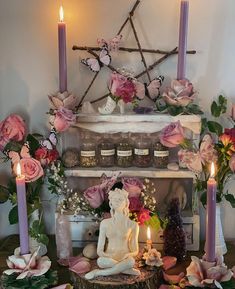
[(118, 239)]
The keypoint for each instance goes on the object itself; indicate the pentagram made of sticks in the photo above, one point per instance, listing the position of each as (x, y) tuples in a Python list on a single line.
[(92, 51)]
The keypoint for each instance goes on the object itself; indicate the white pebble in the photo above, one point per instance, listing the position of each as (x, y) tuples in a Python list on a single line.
[(173, 166)]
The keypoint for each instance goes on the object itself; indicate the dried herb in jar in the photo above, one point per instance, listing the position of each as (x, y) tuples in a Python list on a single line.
[(142, 152), (160, 155), (88, 157), (124, 153), (106, 152)]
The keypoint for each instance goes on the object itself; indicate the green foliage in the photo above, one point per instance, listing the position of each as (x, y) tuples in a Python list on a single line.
[(40, 282), (175, 110), (37, 232), (13, 146), (231, 199), (13, 215), (219, 107), (215, 127), (4, 194), (33, 143), (154, 223)]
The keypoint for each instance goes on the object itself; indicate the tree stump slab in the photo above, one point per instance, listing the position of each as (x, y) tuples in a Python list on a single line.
[(148, 279)]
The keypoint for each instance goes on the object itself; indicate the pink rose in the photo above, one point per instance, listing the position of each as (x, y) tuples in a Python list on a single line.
[(122, 87), (41, 155), (232, 163), (64, 118), (31, 169), (133, 186), (12, 128), (95, 196), (135, 204), (172, 135), (143, 216)]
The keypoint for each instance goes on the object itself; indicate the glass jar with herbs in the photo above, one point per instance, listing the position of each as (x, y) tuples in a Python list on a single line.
[(88, 156), (124, 152), (142, 151), (160, 155), (106, 152)]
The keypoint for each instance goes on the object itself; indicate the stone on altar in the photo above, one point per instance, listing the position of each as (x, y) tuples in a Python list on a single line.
[(70, 158), (173, 166), (90, 251)]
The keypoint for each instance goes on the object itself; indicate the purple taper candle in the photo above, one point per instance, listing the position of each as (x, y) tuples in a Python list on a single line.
[(22, 212), (183, 33), (62, 52), (211, 216)]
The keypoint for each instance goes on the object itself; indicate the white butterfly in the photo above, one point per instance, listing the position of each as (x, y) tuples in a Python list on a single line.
[(50, 142), (151, 90), (95, 64)]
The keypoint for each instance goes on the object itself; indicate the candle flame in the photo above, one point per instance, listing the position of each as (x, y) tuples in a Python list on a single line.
[(18, 170), (148, 234), (61, 14), (212, 170)]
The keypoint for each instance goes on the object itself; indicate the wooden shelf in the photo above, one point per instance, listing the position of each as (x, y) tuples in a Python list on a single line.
[(131, 122), (151, 172)]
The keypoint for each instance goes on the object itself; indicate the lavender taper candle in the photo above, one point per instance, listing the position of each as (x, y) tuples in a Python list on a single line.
[(62, 52), (211, 216), (183, 33), (22, 212)]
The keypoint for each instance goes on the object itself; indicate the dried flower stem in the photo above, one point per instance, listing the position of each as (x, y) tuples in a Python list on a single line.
[(140, 48)]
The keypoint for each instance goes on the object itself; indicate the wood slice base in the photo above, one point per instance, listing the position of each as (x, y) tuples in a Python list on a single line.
[(147, 280)]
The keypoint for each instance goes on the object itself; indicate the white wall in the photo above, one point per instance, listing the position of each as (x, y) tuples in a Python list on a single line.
[(29, 61)]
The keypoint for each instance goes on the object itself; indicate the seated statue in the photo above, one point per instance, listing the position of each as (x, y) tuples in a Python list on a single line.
[(118, 239)]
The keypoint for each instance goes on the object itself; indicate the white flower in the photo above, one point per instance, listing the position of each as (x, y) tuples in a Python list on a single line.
[(153, 258)]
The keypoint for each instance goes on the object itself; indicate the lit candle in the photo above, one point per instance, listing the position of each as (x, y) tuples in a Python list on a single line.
[(149, 241), (22, 212), (211, 216), (62, 52), (183, 33)]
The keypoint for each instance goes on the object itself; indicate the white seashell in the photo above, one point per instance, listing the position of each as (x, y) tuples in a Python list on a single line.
[(90, 251), (173, 166)]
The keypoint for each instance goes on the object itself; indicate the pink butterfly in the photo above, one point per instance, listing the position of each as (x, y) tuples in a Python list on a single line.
[(15, 156), (195, 160), (113, 44), (151, 90), (95, 64)]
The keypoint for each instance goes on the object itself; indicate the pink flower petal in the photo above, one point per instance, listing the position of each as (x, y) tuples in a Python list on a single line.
[(169, 262), (175, 279), (43, 265), (17, 261), (81, 267), (55, 101), (11, 271)]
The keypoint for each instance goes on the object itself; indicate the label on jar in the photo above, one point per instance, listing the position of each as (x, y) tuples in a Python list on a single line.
[(87, 153), (107, 152), (124, 153), (161, 154), (142, 152)]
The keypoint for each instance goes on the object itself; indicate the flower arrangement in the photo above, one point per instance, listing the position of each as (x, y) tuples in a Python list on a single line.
[(35, 155), (94, 201), (178, 99)]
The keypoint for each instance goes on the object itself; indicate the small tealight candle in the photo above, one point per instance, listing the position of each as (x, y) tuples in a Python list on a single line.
[(149, 241)]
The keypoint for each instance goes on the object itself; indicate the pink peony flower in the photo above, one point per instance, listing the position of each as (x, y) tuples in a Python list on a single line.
[(122, 87), (64, 118), (201, 273), (30, 168), (28, 265), (12, 128), (153, 258), (143, 216), (64, 99), (133, 186), (135, 204), (95, 196), (172, 135), (232, 163), (180, 93)]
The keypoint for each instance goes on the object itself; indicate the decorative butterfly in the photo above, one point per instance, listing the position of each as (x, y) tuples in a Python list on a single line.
[(15, 156), (112, 44), (95, 64), (195, 160), (51, 141), (151, 90)]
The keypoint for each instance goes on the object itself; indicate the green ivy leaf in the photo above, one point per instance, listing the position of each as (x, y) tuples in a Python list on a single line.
[(33, 143), (4, 194), (215, 127), (223, 103), (13, 215), (13, 146), (154, 223), (193, 108), (43, 239), (231, 199), (215, 109), (174, 110)]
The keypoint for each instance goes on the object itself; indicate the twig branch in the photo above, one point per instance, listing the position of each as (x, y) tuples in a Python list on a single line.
[(160, 60), (100, 98), (127, 19), (139, 46), (87, 90), (129, 49)]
